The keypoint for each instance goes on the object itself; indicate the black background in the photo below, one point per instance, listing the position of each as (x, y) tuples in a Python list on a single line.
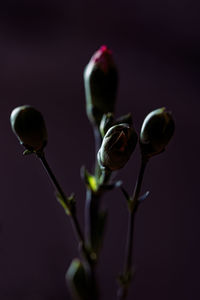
[(44, 47)]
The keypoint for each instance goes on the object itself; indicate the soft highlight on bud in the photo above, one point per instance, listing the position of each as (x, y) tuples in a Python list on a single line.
[(28, 125), (101, 81), (156, 132), (117, 147)]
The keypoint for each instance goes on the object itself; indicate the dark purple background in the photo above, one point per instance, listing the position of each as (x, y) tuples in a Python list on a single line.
[(44, 47)]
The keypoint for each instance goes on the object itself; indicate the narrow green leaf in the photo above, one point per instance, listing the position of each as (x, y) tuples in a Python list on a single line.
[(92, 183), (27, 152), (63, 203), (144, 196), (90, 180)]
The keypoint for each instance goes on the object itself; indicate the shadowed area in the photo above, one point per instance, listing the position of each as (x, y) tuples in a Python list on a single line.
[(44, 47)]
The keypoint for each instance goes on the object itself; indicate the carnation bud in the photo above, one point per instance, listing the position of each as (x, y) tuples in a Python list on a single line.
[(101, 80), (117, 147), (28, 125), (157, 130), (77, 280)]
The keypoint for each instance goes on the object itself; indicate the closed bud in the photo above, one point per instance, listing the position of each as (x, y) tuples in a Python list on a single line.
[(101, 80), (157, 130), (117, 147), (77, 280), (28, 125)]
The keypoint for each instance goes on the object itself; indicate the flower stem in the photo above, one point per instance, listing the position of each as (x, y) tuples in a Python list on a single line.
[(93, 293), (127, 273), (73, 218), (91, 216)]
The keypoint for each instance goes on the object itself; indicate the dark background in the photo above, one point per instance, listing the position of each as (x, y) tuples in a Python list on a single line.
[(44, 47)]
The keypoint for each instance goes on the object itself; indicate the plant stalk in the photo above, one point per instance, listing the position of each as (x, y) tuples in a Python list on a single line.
[(73, 217), (127, 273)]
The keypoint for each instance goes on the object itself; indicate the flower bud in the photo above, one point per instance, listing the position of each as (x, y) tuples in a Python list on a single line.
[(77, 280), (101, 80), (117, 147), (157, 130), (28, 125)]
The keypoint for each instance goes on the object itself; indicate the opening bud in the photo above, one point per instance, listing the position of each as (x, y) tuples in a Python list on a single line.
[(100, 80), (28, 125), (117, 147), (157, 130)]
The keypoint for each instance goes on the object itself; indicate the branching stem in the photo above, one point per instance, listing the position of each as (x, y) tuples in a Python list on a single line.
[(73, 218), (127, 273)]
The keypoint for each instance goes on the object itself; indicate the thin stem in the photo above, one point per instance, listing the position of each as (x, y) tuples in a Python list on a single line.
[(129, 247), (92, 199), (74, 221), (91, 217), (92, 204), (123, 290)]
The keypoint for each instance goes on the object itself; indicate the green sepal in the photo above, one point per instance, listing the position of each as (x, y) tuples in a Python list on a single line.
[(68, 203), (125, 119), (106, 122), (90, 180), (27, 152), (78, 281)]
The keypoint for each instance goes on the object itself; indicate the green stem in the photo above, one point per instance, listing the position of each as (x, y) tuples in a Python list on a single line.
[(91, 217), (93, 199), (123, 290), (92, 205), (73, 218)]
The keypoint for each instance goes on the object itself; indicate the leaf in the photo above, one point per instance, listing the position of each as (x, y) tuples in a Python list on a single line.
[(27, 152), (92, 183), (64, 203), (89, 179), (143, 197)]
